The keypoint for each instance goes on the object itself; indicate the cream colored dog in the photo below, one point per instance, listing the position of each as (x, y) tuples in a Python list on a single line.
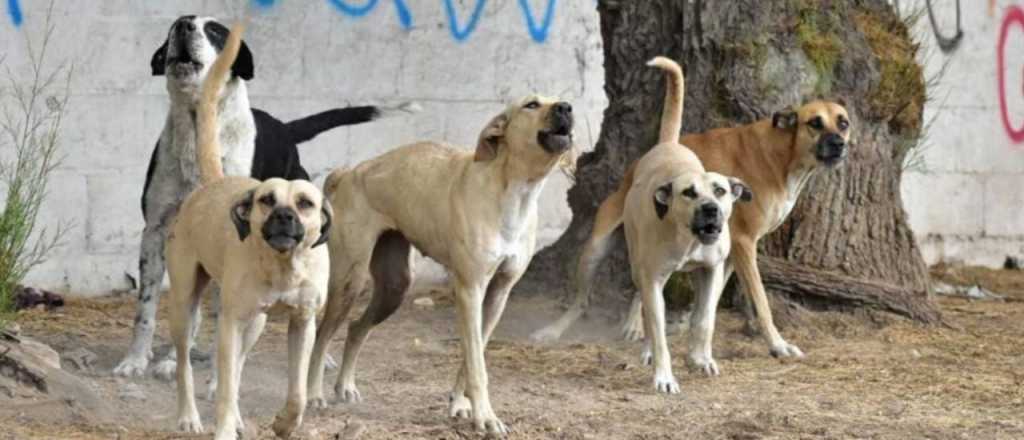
[(676, 218), (475, 213), (260, 243)]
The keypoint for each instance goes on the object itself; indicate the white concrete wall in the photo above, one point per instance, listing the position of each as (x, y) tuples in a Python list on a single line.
[(310, 56), (966, 203)]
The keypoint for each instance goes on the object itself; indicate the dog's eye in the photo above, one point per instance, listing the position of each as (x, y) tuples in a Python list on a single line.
[(690, 192), (268, 199), (719, 191), (532, 105), (305, 204), (843, 125), (816, 123)]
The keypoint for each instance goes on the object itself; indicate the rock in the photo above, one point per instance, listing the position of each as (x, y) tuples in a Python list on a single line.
[(130, 391), (1013, 263), (43, 352), (13, 328), (81, 359), (424, 301)]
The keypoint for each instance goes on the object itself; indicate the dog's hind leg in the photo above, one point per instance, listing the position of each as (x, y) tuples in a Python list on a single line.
[(187, 282), (709, 283), (606, 221), (345, 285), (391, 268)]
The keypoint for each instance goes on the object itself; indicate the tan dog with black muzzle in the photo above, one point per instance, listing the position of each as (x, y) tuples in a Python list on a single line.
[(475, 213), (260, 242), (776, 157), (676, 219)]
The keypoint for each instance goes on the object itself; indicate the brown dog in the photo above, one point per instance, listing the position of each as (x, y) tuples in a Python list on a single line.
[(776, 157)]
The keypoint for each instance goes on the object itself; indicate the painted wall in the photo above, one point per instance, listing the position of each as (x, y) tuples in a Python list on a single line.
[(460, 60), (966, 201)]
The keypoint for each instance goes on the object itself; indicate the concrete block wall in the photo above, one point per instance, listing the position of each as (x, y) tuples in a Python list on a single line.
[(310, 56), (965, 204)]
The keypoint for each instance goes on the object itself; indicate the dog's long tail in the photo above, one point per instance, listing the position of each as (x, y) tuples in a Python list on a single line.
[(208, 145), (302, 130), (672, 114)]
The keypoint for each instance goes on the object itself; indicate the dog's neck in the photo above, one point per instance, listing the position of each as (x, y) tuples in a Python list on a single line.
[(518, 190), (237, 129), (784, 164), (281, 270)]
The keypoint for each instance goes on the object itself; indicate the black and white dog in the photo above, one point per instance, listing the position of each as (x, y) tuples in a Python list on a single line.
[(254, 143)]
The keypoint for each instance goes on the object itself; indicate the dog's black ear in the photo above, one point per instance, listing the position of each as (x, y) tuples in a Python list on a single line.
[(740, 190), (491, 138), (785, 119), (662, 195), (244, 67), (159, 61), (240, 211), (326, 214)]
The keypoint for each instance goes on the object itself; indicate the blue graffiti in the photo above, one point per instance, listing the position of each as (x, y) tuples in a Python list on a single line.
[(14, 10), (460, 31)]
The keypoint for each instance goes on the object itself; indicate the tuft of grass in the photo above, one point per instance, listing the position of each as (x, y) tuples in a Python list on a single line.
[(900, 94), (32, 109), (819, 42)]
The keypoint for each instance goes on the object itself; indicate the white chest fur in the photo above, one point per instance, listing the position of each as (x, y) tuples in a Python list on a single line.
[(794, 186)]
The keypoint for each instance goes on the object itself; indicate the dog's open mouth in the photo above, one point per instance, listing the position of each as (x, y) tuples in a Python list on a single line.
[(831, 160), (707, 233), (282, 242), (556, 139)]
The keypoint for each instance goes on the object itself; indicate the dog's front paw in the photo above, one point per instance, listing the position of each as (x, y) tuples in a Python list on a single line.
[(703, 364), (348, 394), (190, 423), (666, 383), (783, 349), (317, 402), (165, 369), (285, 423), (633, 329), (132, 365), (491, 425), (546, 334), (459, 406)]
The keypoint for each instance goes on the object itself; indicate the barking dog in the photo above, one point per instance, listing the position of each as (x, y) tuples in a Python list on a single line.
[(253, 144), (776, 157), (261, 243), (475, 213)]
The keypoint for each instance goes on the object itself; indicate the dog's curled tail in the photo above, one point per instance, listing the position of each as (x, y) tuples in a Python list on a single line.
[(672, 114), (208, 148)]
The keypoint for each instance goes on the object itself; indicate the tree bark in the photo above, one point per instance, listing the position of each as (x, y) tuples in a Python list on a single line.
[(743, 60)]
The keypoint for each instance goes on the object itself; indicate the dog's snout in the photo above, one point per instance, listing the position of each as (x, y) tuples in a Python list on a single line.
[(185, 26), (835, 141), (283, 214), (563, 108), (709, 209)]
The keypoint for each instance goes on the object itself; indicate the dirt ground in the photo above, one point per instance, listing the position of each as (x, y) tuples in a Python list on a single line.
[(867, 376)]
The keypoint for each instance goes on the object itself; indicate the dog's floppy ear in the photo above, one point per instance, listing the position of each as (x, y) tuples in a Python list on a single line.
[(326, 214), (662, 195), (244, 67), (784, 119), (490, 138), (159, 61), (740, 190), (240, 211)]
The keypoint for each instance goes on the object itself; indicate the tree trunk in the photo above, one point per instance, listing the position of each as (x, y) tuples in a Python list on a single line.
[(743, 60)]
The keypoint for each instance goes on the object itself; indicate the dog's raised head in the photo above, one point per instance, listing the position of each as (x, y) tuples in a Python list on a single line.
[(822, 131), (700, 202), (287, 215), (535, 131), (190, 49)]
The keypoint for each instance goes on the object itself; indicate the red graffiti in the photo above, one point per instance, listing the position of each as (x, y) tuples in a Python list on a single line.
[(1014, 17)]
